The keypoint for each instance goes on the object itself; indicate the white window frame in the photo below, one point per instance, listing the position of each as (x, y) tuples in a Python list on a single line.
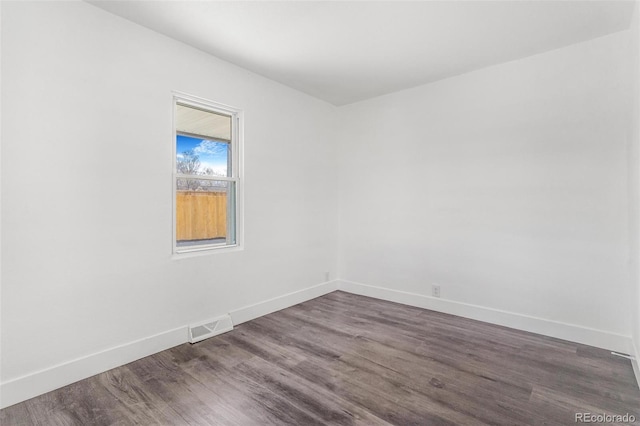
[(236, 145)]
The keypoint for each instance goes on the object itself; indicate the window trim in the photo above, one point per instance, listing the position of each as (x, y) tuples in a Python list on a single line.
[(237, 176)]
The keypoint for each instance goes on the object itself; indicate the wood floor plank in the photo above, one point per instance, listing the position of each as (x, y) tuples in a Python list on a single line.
[(81, 403), (136, 401), (325, 405), (324, 370), (343, 359), (17, 415), (424, 386), (447, 387), (192, 401), (606, 379), (253, 403)]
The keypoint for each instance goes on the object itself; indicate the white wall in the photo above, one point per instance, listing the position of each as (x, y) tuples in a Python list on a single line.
[(86, 186), (506, 186), (634, 180)]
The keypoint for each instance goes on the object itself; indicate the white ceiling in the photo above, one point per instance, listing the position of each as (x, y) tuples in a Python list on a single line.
[(344, 52)]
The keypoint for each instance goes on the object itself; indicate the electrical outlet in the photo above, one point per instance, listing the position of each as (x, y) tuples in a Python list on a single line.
[(435, 290), (327, 276)]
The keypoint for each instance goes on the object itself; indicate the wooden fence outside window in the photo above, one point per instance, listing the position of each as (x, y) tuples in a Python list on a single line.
[(201, 215)]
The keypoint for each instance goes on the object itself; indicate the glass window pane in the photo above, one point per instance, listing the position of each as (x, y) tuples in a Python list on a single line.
[(204, 212), (203, 141), (202, 156)]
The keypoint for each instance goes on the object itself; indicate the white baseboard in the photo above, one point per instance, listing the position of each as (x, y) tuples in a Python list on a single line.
[(39, 382), (635, 362), (560, 330), (266, 307), (43, 381), (31, 385)]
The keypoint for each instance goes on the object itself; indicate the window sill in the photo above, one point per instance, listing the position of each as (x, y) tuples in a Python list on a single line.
[(197, 252)]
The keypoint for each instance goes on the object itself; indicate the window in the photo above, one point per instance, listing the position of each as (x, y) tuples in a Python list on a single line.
[(206, 175)]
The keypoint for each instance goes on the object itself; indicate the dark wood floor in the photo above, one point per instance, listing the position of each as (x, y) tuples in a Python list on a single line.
[(345, 359)]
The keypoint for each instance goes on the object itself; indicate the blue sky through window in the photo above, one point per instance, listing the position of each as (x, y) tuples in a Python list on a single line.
[(212, 154)]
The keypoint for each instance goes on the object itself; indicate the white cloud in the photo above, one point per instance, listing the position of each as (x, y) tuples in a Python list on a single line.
[(219, 169), (210, 148)]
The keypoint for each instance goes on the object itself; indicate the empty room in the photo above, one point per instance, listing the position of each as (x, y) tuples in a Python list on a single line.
[(319, 212)]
